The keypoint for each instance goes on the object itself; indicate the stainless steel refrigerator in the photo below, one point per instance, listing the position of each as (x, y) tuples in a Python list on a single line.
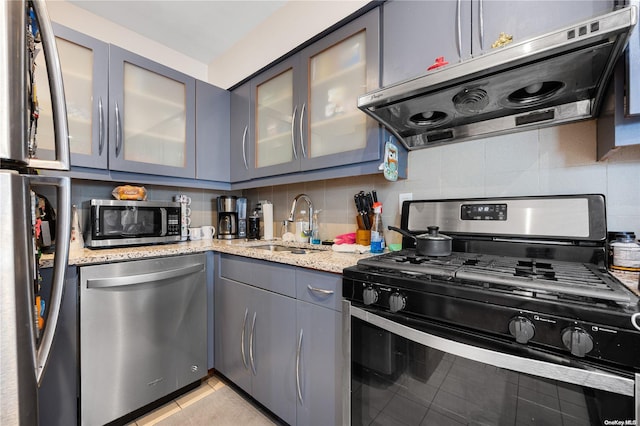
[(26, 36)]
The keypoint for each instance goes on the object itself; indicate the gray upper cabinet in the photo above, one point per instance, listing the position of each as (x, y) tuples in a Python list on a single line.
[(151, 117), (301, 114), (524, 19), (212, 133), (337, 69), (276, 94), (633, 70), (241, 137), (415, 33), (85, 64)]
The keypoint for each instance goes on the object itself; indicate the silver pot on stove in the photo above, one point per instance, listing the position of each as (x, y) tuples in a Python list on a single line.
[(433, 243)]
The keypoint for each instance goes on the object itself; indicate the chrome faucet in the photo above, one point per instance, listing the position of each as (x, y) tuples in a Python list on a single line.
[(291, 218)]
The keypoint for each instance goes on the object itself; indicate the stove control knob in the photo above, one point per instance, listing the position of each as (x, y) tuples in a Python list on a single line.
[(369, 296), (397, 302), (522, 329), (577, 340)]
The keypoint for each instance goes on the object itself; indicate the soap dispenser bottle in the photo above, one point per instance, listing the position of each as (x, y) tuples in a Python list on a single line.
[(315, 231)]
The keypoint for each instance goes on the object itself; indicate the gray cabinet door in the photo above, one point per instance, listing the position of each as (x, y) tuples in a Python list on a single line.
[(319, 365), (232, 327), (275, 94), (85, 69), (151, 117), (212, 132), (337, 69), (241, 137), (274, 350), (415, 33), (524, 19)]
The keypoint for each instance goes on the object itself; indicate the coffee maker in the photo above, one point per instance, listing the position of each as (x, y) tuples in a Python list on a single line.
[(227, 217)]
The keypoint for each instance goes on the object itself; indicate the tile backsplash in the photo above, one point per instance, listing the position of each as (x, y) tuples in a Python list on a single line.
[(551, 161), (556, 160)]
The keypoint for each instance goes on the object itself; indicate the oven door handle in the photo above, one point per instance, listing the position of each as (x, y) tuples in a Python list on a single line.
[(593, 379)]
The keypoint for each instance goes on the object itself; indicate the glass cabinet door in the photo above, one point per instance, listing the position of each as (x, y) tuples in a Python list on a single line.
[(336, 77), (84, 62), (274, 120), (341, 67), (152, 117), (276, 109)]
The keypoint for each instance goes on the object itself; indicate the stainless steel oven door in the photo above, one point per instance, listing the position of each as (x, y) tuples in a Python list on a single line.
[(400, 372)]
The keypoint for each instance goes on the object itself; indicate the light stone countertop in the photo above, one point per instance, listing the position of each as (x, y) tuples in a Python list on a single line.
[(322, 259)]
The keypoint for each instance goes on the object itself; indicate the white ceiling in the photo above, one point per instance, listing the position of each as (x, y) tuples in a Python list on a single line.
[(202, 29)]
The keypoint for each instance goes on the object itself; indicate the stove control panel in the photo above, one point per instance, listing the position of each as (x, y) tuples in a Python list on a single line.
[(483, 212), (522, 329), (369, 296), (577, 340), (397, 302)]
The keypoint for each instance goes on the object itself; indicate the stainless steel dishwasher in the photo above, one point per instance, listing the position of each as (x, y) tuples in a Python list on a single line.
[(143, 328)]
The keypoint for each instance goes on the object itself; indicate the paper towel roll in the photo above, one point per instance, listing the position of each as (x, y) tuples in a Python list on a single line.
[(267, 213)]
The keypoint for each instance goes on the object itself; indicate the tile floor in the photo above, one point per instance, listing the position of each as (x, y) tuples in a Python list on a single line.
[(214, 402)]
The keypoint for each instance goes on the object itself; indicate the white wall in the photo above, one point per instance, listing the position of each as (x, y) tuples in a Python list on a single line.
[(293, 24), (76, 18)]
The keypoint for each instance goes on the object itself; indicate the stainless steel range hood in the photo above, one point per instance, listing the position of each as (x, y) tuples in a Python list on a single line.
[(555, 78)]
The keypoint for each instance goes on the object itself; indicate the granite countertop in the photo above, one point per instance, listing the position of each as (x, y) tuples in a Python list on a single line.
[(323, 258)]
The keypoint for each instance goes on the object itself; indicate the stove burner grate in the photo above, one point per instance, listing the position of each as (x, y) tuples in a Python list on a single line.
[(540, 278)]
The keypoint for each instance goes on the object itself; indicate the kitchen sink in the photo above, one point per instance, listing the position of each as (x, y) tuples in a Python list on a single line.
[(294, 250), (273, 247)]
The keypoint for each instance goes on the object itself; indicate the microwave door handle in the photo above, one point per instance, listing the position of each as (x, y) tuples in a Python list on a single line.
[(58, 103), (163, 221), (60, 262)]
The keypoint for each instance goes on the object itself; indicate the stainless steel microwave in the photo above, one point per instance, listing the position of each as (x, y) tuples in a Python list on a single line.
[(112, 223)]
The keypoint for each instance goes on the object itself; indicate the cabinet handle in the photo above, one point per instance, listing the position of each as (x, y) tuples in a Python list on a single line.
[(459, 25), (481, 25), (244, 326), (118, 132), (244, 147), (298, 356), (304, 153), (293, 141), (251, 337), (101, 130), (320, 290)]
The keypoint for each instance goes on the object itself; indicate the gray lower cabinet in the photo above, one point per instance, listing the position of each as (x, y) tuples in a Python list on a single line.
[(318, 379), (278, 337), (255, 336)]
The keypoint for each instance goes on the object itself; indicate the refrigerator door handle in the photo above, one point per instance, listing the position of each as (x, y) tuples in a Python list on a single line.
[(60, 262), (58, 103)]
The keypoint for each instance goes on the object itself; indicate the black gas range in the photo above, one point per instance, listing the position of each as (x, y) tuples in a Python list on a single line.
[(526, 270)]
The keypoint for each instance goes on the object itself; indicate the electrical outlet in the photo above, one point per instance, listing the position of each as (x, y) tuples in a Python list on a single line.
[(402, 197)]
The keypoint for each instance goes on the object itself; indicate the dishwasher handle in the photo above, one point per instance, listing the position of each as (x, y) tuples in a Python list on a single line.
[(143, 278)]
